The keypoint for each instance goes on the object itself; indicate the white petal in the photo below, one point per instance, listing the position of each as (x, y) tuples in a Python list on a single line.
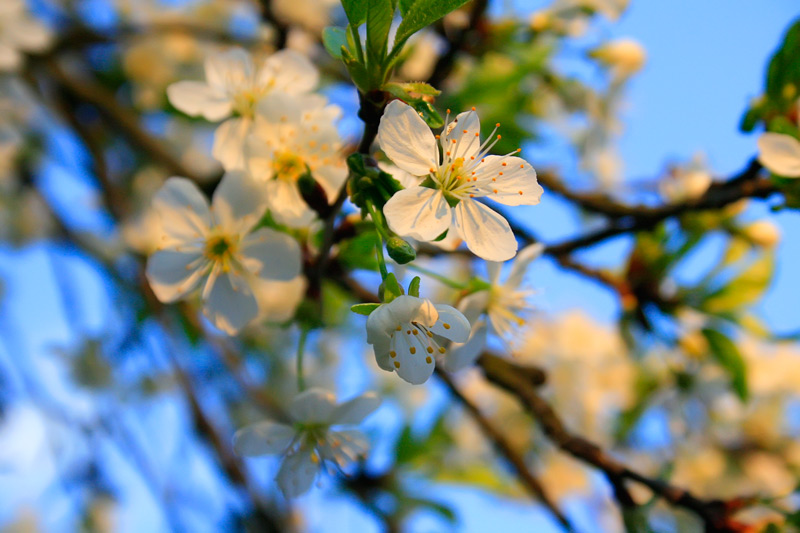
[(196, 98), (521, 263), (312, 406), (229, 71), (516, 185), (474, 305), (183, 210), (230, 304), (278, 300), (406, 139), (418, 212), (289, 71), (271, 254), (353, 445), (297, 473), (10, 59), (28, 34), (168, 275), (780, 154), (331, 178), (486, 233), (452, 324), (463, 130), (493, 269), (287, 205), (355, 410), (229, 143), (239, 202), (263, 438), (412, 367), (461, 356)]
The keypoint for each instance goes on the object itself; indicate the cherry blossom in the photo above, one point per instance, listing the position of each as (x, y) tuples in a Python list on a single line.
[(780, 154), (213, 248), (454, 180)]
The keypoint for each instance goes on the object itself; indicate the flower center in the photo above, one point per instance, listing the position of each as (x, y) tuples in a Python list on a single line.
[(414, 339), (244, 103), (220, 248), (288, 166)]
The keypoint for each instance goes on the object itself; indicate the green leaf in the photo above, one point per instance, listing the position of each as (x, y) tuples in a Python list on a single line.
[(404, 5), (379, 21), (334, 40), (390, 288), (421, 87), (364, 309), (413, 287), (728, 356), (744, 289), (421, 13), (356, 11)]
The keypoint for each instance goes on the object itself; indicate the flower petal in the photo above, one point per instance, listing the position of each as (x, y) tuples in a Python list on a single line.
[(171, 275), (474, 305), (452, 324), (271, 254), (486, 233), (410, 361), (355, 410), (313, 406), (239, 202), (183, 210), (516, 181), (278, 300), (331, 178), (196, 98), (263, 438), (229, 143), (521, 263), (418, 212), (287, 205), (780, 154), (297, 473), (288, 70), (230, 304), (407, 140), (465, 130), (229, 71), (461, 356)]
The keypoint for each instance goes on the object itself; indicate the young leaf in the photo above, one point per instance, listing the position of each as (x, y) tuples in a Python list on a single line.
[(379, 21), (334, 39), (390, 288), (364, 309), (413, 287), (421, 13), (728, 356), (744, 289), (356, 11)]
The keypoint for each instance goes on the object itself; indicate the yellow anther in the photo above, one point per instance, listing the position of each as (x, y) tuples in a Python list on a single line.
[(392, 354), (428, 360), (412, 350), (446, 325), (430, 349), (397, 364)]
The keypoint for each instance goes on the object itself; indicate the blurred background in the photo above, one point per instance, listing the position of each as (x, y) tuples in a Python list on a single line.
[(117, 414)]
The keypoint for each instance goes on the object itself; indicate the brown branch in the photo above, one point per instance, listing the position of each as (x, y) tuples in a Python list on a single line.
[(506, 450)]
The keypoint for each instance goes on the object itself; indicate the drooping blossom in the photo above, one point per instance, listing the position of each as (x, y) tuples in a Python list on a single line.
[(504, 304), (233, 88), (403, 334), (313, 437), (213, 248), (453, 182), (294, 135)]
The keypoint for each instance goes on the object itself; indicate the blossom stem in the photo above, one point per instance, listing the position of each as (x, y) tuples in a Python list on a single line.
[(378, 221), (301, 350), (438, 277)]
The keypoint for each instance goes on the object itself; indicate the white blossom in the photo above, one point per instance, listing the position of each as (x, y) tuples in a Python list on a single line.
[(404, 333), (780, 154), (19, 32), (505, 304), (292, 135), (232, 91), (686, 183), (454, 180), (311, 437), (213, 248)]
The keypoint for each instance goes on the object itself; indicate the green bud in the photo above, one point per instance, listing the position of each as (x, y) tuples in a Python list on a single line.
[(400, 250)]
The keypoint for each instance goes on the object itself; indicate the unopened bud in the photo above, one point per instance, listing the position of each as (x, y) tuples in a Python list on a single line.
[(763, 233), (400, 251)]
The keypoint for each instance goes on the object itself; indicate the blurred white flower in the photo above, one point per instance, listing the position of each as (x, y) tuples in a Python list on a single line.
[(446, 198), (234, 86), (780, 154), (310, 439), (624, 56), (19, 32), (278, 300), (504, 303), (292, 135), (763, 233), (686, 183), (213, 247), (402, 333)]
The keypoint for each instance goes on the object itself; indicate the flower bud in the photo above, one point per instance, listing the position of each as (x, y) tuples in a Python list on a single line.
[(763, 233), (400, 251), (624, 56)]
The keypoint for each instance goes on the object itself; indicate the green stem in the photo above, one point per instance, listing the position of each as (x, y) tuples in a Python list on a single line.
[(301, 350), (357, 43), (378, 222), (438, 277)]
